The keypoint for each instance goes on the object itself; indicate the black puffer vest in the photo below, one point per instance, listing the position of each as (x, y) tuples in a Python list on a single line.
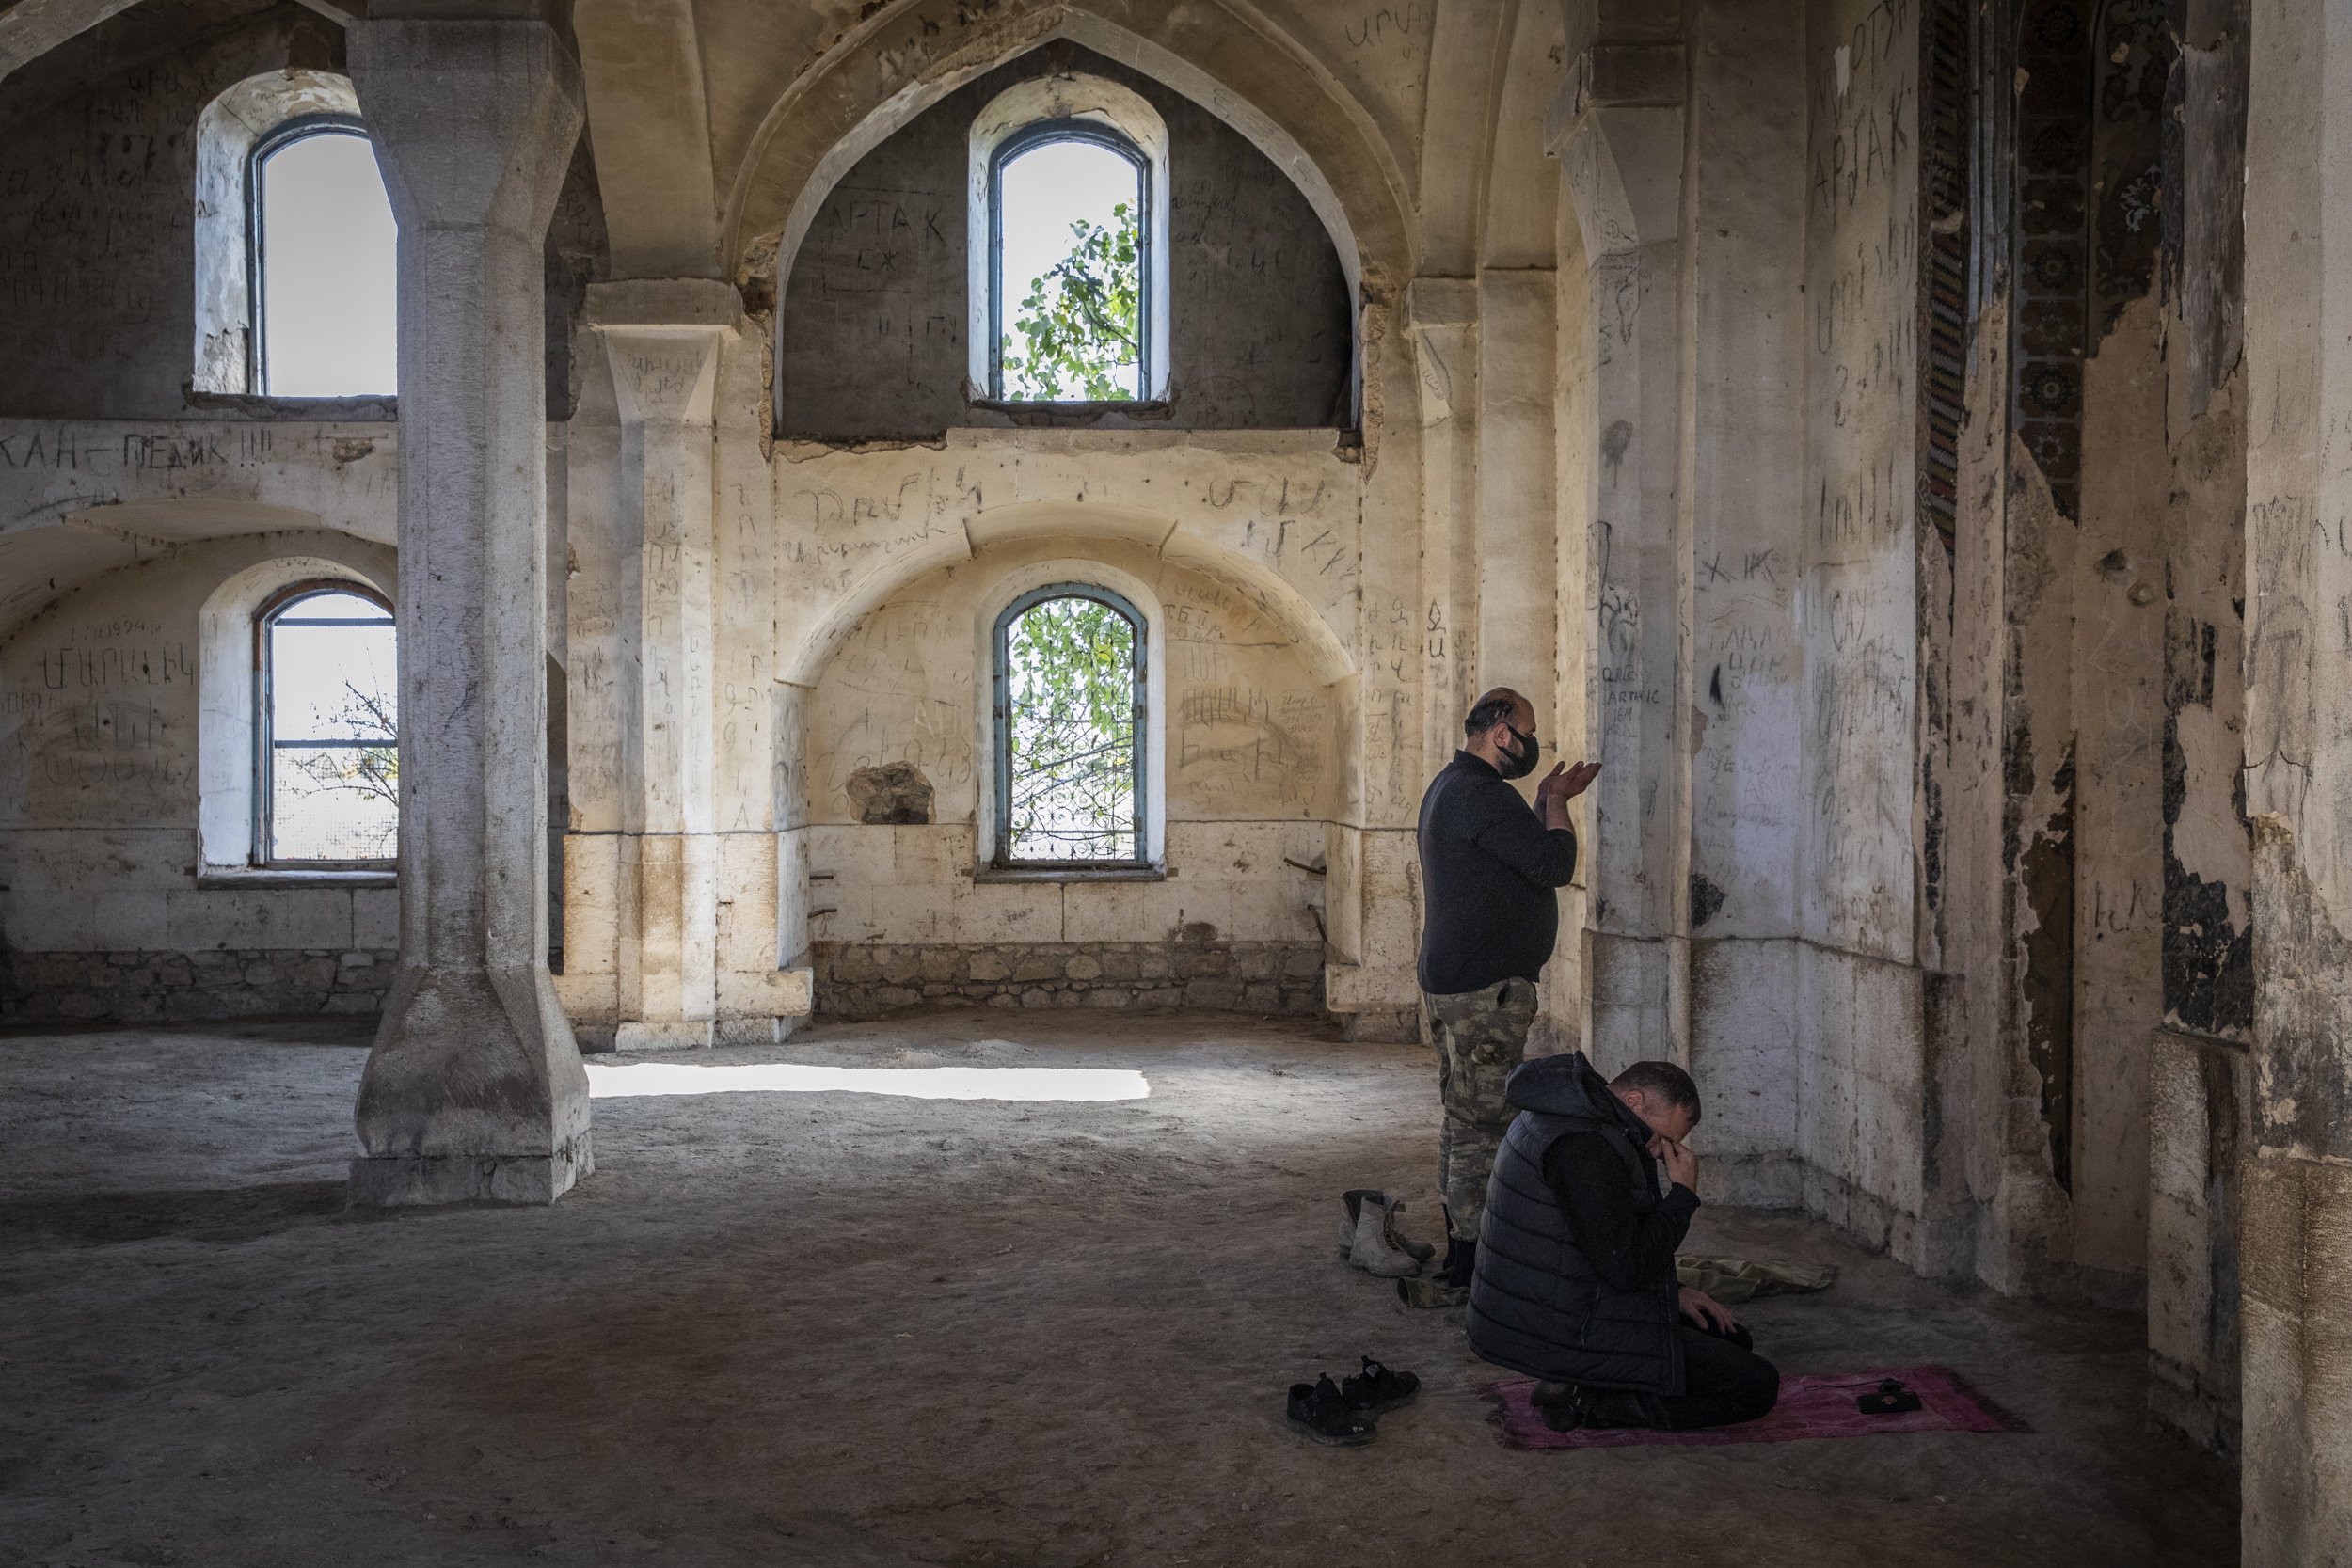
[(1537, 1305)]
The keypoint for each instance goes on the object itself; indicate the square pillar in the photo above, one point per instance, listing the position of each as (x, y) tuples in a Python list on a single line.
[(1626, 559), (474, 1089), (662, 341)]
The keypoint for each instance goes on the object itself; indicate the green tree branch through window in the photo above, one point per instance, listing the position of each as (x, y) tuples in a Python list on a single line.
[(1082, 319)]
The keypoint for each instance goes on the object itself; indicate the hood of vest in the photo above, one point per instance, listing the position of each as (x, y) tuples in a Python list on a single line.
[(1567, 1087)]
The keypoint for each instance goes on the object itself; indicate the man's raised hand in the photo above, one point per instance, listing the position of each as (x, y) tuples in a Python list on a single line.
[(1565, 782)]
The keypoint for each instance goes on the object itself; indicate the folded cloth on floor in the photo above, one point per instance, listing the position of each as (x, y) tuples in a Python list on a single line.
[(1813, 1404), (1730, 1279)]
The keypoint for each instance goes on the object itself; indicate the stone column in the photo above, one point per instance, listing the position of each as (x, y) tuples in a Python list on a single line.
[(1618, 129), (1442, 316), (662, 339), (2296, 1240), (1519, 525), (475, 1088)]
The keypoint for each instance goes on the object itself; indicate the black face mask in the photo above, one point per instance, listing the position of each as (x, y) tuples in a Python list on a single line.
[(1520, 765)]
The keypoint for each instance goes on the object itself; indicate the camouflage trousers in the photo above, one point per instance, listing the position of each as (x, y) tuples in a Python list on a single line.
[(1480, 1036)]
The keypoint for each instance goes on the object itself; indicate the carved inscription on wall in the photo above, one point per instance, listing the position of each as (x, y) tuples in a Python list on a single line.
[(1859, 613), (92, 723)]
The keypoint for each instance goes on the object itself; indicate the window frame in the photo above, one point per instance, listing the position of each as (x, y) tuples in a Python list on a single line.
[(325, 123), (1028, 138), (264, 707), (1139, 747)]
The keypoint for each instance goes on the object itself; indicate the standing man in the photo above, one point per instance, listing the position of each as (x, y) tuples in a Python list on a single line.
[(1488, 868)]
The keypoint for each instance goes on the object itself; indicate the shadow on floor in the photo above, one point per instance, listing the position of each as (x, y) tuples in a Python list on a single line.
[(223, 1216), (305, 1029)]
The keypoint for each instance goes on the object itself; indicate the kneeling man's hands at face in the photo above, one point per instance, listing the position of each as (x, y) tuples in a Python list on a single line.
[(1668, 1125), (1682, 1166), (1706, 1311)]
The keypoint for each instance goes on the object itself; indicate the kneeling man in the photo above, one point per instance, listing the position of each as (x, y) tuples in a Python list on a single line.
[(1574, 1282)]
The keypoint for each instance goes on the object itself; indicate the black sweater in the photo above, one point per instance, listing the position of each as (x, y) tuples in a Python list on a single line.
[(1629, 1250), (1487, 869)]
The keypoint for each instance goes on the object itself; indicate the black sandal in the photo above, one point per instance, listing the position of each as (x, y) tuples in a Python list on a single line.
[(1317, 1411), (1379, 1388)]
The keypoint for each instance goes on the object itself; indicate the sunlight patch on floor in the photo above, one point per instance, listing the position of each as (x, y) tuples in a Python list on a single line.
[(630, 1080)]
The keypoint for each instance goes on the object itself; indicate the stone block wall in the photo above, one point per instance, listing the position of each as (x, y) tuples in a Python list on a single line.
[(867, 980), (45, 987)]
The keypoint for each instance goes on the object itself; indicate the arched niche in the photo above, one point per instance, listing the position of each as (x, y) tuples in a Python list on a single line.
[(1249, 294), (1234, 63)]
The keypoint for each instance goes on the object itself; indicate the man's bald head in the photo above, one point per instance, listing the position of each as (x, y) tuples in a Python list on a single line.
[(1501, 706)]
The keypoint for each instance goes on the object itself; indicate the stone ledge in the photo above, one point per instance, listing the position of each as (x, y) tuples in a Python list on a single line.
[(1070, 874), (870, 979), (144, 986), (224, 878)]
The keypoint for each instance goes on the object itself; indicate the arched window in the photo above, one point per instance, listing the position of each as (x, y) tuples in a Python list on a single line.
[(1070, 210), (1070, 182), (327, 725), (1071, 661), (296, 244), (324, 273)]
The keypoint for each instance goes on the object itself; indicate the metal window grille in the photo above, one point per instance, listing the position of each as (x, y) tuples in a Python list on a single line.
[(1054, 770)]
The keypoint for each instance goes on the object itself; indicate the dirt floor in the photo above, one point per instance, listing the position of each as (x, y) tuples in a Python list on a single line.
[(847, 1328)]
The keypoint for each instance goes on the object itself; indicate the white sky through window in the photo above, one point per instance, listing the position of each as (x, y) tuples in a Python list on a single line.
[(327, 270), (1041, 193), (334, 713)]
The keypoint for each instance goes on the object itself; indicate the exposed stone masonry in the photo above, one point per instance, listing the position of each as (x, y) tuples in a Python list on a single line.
[(228, 982), (865, 980)]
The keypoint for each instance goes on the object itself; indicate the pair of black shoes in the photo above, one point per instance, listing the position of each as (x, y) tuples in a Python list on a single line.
[(1567, 1406), (1340, 1413)]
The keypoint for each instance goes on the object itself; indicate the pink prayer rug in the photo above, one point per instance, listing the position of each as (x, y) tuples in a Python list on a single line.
[(1812, 1404)]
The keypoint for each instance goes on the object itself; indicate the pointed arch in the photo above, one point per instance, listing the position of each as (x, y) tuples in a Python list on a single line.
[(1326, 656), (1220, 54)]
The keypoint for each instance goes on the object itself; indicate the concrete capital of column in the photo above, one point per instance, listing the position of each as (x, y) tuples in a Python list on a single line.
[(1434, 304), (1616, 77), (663, 337), (556, 13), (1621, 168), (500, 164), (679, 302)]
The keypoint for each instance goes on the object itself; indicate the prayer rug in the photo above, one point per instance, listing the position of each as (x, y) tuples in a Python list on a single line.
[(1812, 1404)]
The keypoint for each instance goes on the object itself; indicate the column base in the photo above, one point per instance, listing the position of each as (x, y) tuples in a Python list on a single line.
[(752, 1030), (1381, 1026), (671, 1034), (412, 1181), (473, 1094)]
